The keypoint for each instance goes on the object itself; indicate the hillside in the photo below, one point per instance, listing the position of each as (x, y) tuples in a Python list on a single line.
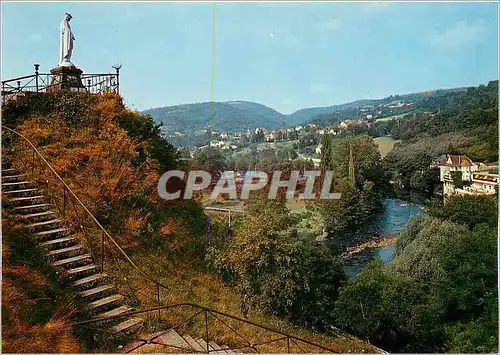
[(223, 116), (307, 114), (232, 116)]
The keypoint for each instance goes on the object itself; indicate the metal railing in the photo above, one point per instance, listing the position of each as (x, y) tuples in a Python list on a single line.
[(283, 342), (105, 250), (98, 83)]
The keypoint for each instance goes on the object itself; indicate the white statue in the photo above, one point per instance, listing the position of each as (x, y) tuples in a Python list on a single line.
[(67, 39)]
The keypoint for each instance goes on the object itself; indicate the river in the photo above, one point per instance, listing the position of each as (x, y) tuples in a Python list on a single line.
[(396, 213)]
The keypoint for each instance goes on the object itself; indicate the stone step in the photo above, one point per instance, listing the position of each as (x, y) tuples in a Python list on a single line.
[(29, 208), (96, 291), (16, 192), (227, 349), (203, 344), (56, 242), (40, 215), (171, 337), (8, 170), (90, 281), (133, 345), (27, 198), (216, 347), (43, 223), (14, 184), (52, 233), (83, 270), (13, 177), (114, 312), (104, 302), (127, 326), (73, 260), (193, 343)]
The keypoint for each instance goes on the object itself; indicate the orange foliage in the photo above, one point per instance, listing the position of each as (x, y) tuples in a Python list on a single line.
[(97, 158), (177, 231)]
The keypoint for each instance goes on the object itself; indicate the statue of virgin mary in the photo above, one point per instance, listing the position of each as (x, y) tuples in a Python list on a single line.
[(66, 47)]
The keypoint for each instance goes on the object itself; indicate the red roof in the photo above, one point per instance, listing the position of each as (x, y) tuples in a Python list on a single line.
[(456, 160)]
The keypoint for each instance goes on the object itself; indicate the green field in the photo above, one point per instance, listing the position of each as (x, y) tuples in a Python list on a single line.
[(385, 144), (390, 118)]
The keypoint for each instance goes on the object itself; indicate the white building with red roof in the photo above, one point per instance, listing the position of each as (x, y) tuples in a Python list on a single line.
[(460, 163), (476, 183)]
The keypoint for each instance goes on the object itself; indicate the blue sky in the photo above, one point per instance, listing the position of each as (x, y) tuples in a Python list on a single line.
[(286, 56)]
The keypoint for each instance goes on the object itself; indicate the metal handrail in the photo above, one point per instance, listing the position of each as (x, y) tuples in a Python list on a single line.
[(95, 83), (110, 238), (159, 284), (21, 78), (226, 210), (203, 308)]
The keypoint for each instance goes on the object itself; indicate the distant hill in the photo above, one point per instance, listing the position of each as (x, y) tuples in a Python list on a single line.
[(222, 116), (307, 114), (234, 116)]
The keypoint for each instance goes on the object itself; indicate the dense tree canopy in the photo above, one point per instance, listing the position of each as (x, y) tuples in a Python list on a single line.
[(277, 271), (439, 293)]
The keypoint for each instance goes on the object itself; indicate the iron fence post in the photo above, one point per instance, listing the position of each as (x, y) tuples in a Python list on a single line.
[(158, 298), (36, 76), (33, 167), (206, 330), (117, 68), (102, 252), (64, 202)]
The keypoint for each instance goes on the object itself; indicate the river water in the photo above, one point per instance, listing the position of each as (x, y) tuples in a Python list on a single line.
[(396, 214)]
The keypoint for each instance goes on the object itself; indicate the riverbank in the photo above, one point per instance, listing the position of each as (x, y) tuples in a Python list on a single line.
[(376, 239)]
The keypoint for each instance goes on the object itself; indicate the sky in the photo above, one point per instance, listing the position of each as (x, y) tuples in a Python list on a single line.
[(287, 56)]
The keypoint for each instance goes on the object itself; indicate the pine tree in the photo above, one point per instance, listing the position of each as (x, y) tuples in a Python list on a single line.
[(326, 153), (352, 175)]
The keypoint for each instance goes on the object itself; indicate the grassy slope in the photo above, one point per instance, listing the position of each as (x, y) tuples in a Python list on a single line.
[(385, 144), (186, 284)]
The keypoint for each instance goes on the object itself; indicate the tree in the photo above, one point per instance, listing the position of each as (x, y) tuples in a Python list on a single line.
[(377, 306), (275, 270), (365, 158), (211, 159), (438, 293), (469, 210), (326, 153)]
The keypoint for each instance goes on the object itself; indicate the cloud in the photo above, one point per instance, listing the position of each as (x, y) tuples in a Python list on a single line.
[(461, 34), (332, 25), (319, 88)]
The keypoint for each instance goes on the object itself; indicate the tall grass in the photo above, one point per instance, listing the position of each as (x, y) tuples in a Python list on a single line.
[(35, 311)]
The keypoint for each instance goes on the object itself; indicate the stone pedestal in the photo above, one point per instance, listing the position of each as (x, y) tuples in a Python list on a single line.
[(66, 78)]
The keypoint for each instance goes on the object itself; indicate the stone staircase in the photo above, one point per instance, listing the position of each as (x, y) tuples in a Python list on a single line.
[(65, 253), (176, 343)]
